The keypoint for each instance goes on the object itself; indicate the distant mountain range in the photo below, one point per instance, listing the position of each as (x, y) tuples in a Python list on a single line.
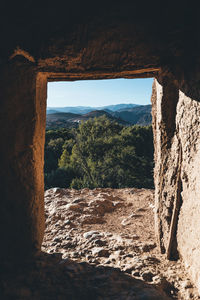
[(125, 114), (140, 115), (86, 109)]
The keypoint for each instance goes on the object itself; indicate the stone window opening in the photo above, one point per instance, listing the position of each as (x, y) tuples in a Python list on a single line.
[(86, 211)]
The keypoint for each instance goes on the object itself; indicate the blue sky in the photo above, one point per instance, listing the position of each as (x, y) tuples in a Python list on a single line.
[(99, 92)]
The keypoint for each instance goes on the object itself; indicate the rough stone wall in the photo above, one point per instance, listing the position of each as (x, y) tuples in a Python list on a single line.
[(188, 233), (166, 155), (177, 154), (22, 123)]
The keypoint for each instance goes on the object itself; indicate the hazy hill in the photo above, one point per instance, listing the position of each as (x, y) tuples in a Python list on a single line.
[(61, 120), (64, 116), (117, 107), (140, 115), (98, 113), (51, 111), (68, 120), (70, 109)]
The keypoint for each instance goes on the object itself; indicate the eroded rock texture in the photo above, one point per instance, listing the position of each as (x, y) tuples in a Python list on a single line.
[(177, 154)]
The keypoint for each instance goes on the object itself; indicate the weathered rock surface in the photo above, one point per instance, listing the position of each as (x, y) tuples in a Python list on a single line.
[(176, 123)]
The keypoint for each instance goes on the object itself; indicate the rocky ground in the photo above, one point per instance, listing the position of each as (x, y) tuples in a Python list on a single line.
[(112, 228), (99, 244)]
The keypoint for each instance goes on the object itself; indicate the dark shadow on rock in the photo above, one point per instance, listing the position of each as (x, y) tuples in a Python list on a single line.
[(51, 277)]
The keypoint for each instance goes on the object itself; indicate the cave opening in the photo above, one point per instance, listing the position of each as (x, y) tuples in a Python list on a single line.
[(99, 213)]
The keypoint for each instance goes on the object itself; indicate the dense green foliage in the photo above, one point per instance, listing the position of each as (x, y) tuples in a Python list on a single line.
[(99, 153)]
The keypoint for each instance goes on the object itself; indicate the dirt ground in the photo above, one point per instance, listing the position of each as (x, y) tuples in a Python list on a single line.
[(113, 228)]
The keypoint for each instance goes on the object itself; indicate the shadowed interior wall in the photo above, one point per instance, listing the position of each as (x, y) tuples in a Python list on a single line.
[(22, 123)]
